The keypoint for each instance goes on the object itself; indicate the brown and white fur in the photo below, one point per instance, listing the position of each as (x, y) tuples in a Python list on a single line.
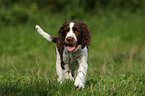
[(72, 51)]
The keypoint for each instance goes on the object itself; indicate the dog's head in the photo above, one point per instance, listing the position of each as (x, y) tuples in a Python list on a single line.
[(73, 34)]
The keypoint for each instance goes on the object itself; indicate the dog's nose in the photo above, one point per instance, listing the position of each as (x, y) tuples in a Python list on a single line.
[(69, 39)]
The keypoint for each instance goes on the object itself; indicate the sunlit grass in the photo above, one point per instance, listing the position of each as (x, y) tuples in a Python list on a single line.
[(116, 57)]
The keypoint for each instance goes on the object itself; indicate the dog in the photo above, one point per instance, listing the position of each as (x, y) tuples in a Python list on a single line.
[(72, 51)]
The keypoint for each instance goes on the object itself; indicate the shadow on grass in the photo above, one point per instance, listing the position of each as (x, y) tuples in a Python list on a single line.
[(90, 82)]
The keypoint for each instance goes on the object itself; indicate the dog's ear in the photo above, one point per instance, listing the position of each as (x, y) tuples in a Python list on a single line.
[(62, 31), (85, 35)]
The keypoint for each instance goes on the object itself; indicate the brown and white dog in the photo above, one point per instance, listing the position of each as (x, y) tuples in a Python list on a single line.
[(72, 51)]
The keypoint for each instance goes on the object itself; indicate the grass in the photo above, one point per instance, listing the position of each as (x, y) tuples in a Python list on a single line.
[(116, 57)]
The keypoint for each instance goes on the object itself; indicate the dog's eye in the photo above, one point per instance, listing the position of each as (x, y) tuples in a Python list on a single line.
[(67, 30), (75, 30), (77, 33)]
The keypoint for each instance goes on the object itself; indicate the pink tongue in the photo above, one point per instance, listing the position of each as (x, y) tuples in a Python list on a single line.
[(70, 48)]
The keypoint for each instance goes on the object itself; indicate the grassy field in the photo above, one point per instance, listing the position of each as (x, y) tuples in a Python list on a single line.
[(116, 57)]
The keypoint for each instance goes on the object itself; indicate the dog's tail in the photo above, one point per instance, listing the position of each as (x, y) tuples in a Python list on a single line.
[(45, 35)]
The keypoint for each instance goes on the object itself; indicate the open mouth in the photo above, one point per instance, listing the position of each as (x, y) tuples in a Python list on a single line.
[(71, 47)]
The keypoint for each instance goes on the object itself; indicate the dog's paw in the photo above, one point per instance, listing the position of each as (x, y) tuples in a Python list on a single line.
[(60, 80), (78, 85)]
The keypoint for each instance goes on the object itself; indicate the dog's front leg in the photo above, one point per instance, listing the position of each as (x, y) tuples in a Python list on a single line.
[(82, 71), (59, 70)]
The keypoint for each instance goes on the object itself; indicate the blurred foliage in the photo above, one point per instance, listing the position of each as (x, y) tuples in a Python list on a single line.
[(87, 5), (12, 11)]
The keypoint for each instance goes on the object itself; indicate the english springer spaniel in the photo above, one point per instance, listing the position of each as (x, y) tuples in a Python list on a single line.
[(72, 51)]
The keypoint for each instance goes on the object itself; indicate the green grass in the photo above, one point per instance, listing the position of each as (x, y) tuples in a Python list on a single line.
[(116, 57)]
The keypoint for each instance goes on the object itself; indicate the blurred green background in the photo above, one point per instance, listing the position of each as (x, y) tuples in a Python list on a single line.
[(116, 57), (12, 11)]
